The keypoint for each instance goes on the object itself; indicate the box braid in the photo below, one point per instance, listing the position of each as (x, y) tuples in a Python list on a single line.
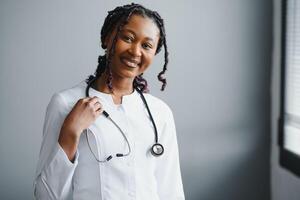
[(119, 17)]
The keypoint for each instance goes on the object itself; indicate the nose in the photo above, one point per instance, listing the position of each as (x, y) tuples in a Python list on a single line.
[(135, 50)]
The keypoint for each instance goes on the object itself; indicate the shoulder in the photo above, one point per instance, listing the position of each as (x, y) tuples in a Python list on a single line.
[(66, 98), (158, 105)]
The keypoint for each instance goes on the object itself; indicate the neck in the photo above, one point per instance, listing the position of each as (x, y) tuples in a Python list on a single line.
[(121, 86)]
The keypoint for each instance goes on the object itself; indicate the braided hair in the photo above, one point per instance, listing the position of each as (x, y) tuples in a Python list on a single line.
[(118, 18)]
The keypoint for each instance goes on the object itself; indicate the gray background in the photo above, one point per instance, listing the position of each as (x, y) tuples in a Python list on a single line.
[(218, 86)]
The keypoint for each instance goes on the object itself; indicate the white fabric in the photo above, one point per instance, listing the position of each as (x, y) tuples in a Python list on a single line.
[(139, 176)]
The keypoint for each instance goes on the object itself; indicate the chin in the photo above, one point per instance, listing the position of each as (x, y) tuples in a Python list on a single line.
[(127, 74)]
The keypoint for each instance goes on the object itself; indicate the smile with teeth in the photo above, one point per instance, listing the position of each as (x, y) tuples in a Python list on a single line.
[(130, 63)]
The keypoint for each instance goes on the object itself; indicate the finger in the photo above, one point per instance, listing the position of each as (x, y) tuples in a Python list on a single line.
[(97, 106), (91, 103), (84, 100), (93, 100), (99, 110)]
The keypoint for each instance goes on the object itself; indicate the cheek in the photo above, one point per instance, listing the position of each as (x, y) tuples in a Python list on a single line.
[(119, 49), (149, 58), (120, 46), (147, 62)]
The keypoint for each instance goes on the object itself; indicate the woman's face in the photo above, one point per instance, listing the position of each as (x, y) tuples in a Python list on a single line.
[(135, 47)]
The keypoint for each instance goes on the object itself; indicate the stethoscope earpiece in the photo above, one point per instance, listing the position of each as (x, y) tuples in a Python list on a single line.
[(157, 149)]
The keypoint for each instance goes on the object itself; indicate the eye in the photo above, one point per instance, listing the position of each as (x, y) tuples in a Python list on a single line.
[(147, 46), (127, 38)]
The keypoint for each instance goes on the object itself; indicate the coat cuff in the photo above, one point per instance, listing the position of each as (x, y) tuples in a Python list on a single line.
[(57, 176)]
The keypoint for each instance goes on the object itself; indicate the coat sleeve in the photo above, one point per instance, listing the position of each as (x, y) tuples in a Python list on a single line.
[(54, 171), (168, 173)]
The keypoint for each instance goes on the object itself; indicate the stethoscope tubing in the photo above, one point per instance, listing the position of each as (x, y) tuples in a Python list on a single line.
[(157, 149)]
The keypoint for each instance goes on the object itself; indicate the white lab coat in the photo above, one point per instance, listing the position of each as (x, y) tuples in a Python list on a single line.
[(138, 176)]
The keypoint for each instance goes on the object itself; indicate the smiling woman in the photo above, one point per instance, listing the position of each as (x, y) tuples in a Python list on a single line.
[(121, 143), (134, 49)]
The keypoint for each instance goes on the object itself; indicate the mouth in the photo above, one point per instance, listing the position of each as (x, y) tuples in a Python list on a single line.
[(132, 63)]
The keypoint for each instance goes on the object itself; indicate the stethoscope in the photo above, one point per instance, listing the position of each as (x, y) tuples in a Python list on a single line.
[(157, 149)]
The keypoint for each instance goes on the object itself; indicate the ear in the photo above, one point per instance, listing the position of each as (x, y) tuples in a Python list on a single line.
[(107, 43), (103, 46)]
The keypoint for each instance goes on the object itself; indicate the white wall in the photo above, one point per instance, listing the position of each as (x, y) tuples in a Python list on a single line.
[(218, 86)]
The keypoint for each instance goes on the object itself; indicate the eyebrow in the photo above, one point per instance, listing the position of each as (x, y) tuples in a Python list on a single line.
[(131, 31)]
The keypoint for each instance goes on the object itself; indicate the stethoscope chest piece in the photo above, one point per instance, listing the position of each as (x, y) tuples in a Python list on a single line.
[(157, 149)]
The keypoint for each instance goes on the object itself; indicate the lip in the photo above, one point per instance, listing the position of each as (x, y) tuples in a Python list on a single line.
[(129, 62)]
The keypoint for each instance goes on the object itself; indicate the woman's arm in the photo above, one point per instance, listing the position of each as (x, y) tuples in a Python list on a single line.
[(58, 156), (54, 170)]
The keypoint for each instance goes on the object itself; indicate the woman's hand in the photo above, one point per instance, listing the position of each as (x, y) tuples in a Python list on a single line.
[(82, 115)]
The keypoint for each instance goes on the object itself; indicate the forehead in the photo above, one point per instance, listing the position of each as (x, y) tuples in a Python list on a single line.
[(142, 26)]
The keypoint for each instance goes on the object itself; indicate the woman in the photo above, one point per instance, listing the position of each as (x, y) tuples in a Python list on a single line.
[(104, 138)]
